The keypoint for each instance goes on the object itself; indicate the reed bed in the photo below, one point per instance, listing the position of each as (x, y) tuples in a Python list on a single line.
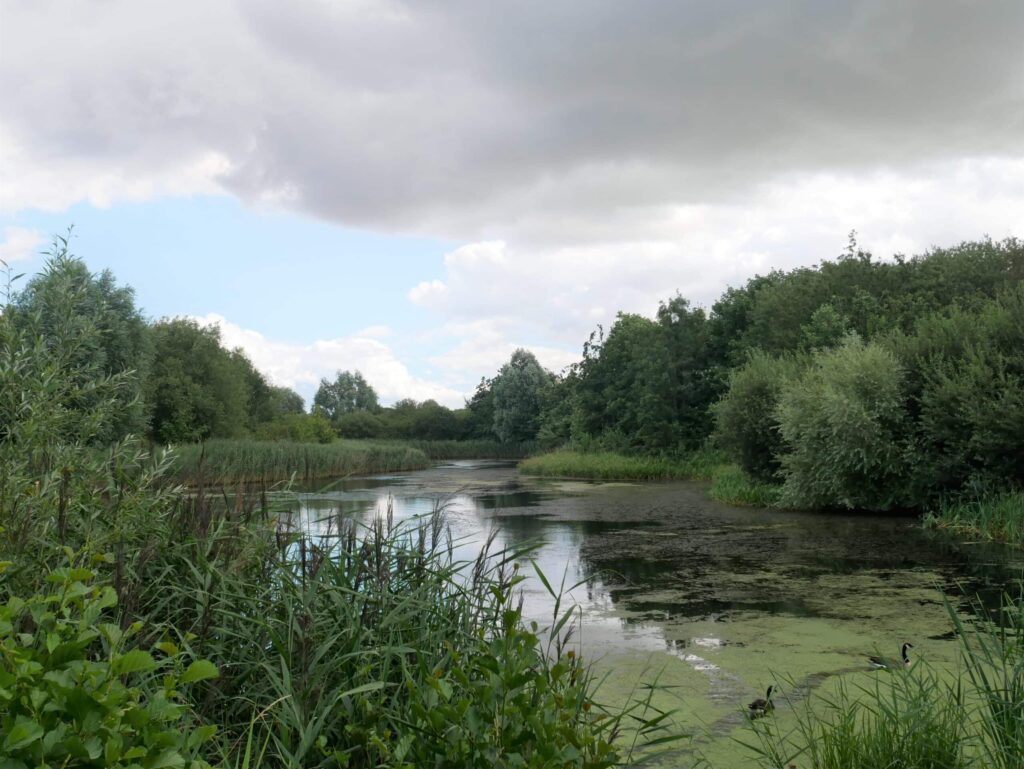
[(472, 449), (249, 461), (609, 466), (998, 517)]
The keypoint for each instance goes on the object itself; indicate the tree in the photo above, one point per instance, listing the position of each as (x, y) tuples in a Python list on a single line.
[(197, 389), (284, 400), (518, 397), (66, 300), (347, 393)]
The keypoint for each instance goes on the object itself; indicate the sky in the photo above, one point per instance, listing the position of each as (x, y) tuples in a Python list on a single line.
[(415, 189)]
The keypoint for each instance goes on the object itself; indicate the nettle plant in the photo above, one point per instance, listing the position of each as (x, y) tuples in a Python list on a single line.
[(76, 691)]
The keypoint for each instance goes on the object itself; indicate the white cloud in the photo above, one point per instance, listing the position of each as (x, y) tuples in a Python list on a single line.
[(20, 244), (302, 366), (550, 298)]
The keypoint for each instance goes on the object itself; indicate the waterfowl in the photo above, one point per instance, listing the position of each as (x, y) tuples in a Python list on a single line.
[(760, 707), (884, 663)]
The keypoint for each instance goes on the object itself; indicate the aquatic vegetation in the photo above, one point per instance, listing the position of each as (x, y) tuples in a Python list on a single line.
[(474, 448), (913, 719), (249, 461), (918, 717), (998, 517), (731, 485), (606, 465)]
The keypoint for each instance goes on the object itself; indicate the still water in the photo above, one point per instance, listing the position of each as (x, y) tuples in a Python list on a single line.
[(713, 601)]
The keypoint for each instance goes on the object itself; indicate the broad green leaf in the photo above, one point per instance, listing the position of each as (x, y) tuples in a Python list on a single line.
[(134, 661), (199, 671)]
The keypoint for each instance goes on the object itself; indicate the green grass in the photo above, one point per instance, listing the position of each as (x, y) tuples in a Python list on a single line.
[(731, 485), (609, 466), (998, 517), (728, 483), (470, 449), (916, 718), (249, 461)]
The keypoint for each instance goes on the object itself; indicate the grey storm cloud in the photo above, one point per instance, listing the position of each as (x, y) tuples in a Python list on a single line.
[(454, 116)]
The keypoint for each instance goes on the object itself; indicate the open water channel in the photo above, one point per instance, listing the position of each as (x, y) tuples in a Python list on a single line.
[(714, 601)]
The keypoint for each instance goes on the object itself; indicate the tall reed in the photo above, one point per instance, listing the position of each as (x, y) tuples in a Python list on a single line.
[(249, 461)]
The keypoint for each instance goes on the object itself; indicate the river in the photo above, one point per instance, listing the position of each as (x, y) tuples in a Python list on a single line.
[(714, 601)]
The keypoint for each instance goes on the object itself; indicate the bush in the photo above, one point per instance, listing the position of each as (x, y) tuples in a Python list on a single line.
[(299, 428), (846, 431), (76, 692), (359, 424), (746, 418)]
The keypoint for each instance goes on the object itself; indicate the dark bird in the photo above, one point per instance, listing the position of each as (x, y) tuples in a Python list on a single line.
[(760, 707), (884, 663)]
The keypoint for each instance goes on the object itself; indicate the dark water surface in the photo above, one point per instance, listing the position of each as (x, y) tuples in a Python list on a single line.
[(717, 601)]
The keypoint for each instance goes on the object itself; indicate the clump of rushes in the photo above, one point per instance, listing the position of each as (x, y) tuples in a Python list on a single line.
[(998, 517), (375, 647), (251, 461), (908, 719), (606, 465), (914, 717), (731, 485), (470, 449)]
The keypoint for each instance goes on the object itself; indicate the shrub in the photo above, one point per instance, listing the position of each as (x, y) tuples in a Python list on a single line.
[(299, 428), (846, 431), (746, 420), (76, 692)]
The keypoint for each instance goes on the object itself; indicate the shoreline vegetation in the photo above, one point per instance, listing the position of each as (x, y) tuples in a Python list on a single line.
[(141, 625), (268, 462), (728, 483)]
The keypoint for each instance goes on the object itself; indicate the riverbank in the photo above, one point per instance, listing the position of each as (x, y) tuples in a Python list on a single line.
[(997, 517), (249, 461), (728, 482)]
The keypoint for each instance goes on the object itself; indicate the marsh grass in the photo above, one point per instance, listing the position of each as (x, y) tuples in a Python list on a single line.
[(371, 645), (470, 449), (250, 461), (609, 466), (917, 718), (998, 517), (731, 485), (910, 719)]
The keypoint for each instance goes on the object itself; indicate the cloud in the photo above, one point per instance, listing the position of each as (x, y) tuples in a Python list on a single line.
[(20, 244), (496, 296), (457, 120), (302, 366)]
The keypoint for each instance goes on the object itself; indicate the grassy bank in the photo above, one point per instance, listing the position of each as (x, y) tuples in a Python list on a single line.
[(248, 461), (470, 449), (997, 517), (728, 483)]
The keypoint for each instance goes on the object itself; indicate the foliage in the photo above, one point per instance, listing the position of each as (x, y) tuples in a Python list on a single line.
[(347, 393), (998, 517), (845, 431), (472, 449), (357, 424), (909, 719), (93, 325), (250, 461), (297, 428), (76, 691), (197, 389), (518, 397), (747, 425), (606, 465), (915, 717)]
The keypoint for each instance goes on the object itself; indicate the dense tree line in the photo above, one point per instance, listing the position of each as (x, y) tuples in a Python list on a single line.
[(177, 383), (855, 383)]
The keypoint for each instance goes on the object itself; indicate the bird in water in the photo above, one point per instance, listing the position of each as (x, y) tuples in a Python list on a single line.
[(760, 707), (884, 663)]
